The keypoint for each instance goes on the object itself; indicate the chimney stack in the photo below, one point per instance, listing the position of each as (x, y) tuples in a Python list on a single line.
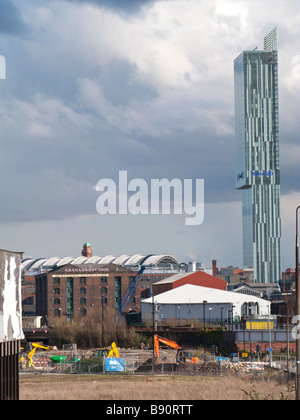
[(214, 267)]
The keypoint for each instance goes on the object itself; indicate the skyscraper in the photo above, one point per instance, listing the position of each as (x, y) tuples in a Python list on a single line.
[(257, 157)]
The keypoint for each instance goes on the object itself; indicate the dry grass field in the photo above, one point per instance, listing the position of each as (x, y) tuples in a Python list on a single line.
[(114, 387)]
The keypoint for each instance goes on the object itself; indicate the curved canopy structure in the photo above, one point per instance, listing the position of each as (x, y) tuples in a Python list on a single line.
[(33, 266)]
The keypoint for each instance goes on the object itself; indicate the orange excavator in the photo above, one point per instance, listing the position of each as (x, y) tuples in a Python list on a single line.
[(183, 356)]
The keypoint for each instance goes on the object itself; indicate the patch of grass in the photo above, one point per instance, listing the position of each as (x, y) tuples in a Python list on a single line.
[(143, 387)]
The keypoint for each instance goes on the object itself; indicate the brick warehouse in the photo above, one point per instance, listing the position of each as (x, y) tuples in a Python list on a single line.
[(79, 292)]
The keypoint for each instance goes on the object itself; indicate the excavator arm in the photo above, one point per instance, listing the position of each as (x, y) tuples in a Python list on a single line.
[(114, 352), (158, 339), (31, 353), (182, 356)]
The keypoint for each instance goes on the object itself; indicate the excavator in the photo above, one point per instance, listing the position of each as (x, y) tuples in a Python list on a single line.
[(111, 351), (114, 352), (31, 353), (183, 356)]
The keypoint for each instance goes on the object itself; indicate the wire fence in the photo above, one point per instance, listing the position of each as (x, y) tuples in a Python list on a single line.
[(131, 366), (68, 362)]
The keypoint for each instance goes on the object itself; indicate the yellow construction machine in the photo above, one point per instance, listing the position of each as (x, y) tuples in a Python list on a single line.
[(31, 353), (111, 351), (114, 352), (113, 362)]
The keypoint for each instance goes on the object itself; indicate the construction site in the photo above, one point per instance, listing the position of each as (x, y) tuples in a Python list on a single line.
[(26, 355), (166, 358), (165, 373)]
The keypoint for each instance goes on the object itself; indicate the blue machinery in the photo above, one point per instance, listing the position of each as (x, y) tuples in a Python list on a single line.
[(132, 287), (131, 290)]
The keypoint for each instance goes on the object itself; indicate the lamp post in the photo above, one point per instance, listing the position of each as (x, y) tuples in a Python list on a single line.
[(209, 309), (297, 310), (270, 351), (204, 337), (222, 307), (102, 316), (232, 306), (204, 302)]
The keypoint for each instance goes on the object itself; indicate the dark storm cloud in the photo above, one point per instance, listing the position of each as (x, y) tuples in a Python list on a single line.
[(11, 22), (120, 110)]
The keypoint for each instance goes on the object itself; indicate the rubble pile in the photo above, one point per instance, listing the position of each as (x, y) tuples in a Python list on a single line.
[(155, 366), (243, 367)]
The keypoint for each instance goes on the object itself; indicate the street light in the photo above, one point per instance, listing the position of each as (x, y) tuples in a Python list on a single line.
[(204, 336), (204, 302), (209, 309), (297, 310), (222, 307)]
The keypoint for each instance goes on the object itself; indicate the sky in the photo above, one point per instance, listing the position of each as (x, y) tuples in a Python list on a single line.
[(97, 87)]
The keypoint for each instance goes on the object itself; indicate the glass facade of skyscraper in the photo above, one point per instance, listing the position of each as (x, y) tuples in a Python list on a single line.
[(257, 157)]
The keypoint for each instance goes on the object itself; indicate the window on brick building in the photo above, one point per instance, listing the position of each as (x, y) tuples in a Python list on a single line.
[(82, 312), (56, 280), (82, 291), (103, 289), (82, 280), (56, 313), (56, 301), (118, 291), (103, 280), (56, 291), (82, 301)]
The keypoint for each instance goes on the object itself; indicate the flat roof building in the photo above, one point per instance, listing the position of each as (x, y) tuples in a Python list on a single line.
[(190, 302)]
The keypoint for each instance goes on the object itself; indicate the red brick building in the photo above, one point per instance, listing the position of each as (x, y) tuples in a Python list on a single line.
[(80, 292), (198, 278)]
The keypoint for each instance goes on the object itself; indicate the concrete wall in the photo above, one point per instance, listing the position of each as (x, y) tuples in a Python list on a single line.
[(10, 296), (10, 323), (180, 311)]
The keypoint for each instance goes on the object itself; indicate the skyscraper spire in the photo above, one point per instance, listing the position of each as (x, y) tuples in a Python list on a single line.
[(271, 41)]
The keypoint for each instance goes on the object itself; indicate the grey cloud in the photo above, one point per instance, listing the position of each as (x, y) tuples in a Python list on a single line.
[(11, 22), (137, 129), (129, 6)]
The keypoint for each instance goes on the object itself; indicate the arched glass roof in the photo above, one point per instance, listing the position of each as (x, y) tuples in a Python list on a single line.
[(27, 263), (160, 259), (107, 260), (66, 260), (79, 260), (93, 260), (135, 259), (38, 264), (121, 260), (51, 262)]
